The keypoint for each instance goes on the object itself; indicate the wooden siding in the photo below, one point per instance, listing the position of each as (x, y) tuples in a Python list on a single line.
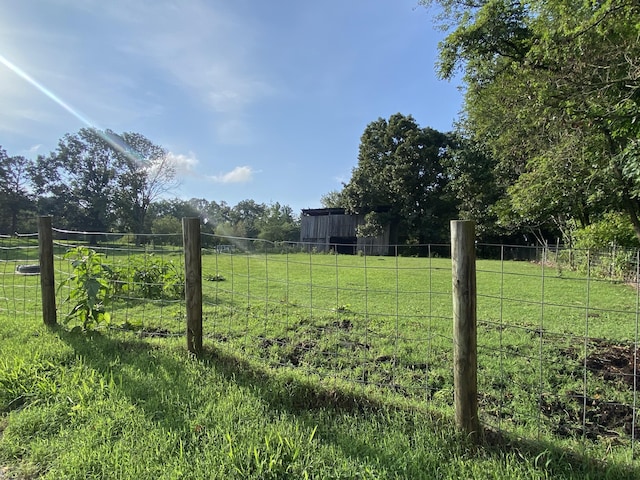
[(324, 228), (321, 227)]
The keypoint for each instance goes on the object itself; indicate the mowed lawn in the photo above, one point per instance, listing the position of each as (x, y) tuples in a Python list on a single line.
[(322, 366)]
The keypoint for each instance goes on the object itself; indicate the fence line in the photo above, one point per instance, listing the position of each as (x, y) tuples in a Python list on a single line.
[(557, 347)]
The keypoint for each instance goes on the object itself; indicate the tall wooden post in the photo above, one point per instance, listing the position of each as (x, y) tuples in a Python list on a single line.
[(47, 280), (193, 283), (465, 356)]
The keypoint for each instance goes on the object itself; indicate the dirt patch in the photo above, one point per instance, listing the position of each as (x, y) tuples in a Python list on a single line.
[(291, 354), (615, 362), (577, 415), (154, 332), (592, 417), (270, 342), (299, 351), (337, 325), (343, 325)]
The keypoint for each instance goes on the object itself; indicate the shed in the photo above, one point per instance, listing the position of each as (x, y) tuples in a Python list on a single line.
[(327, 229)]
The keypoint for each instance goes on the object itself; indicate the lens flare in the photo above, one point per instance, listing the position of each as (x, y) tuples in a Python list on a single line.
[(29, 79), (113, 140)]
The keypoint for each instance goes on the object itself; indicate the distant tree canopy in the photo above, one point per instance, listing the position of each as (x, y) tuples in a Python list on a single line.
[(400, 166), (101, 181), (551, 109)]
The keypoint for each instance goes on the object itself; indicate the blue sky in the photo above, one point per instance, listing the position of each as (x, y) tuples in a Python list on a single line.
[(253, 99)]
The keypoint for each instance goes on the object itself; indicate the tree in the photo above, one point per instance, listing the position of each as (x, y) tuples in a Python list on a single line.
[(333, 199), (98, 180), (552, 92), (472, 181), (245, 216), (400, 167), (15, 196), (78, 181), (278, 224), (167, 230), (211, 212), (175, 208), (147, 173)]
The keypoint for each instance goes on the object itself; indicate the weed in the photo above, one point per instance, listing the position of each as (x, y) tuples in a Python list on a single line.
[(215, 278)]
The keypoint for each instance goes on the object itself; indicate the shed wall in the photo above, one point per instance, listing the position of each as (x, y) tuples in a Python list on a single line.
[(320, 229)]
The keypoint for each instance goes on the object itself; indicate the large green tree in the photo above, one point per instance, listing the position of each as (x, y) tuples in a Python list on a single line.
[(333, 199), (552, 92), (400, 167), (212, 212), (78, 181), (244, 218), (98, 180), (473, 183)]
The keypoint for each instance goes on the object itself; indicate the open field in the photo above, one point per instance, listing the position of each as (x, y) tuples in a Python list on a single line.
[(329, 365)]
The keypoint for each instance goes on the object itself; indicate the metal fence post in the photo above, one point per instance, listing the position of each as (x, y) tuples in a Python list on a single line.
[(47, 279), (465, 357), (193, 283)]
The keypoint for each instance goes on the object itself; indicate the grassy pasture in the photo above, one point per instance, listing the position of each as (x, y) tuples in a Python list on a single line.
[(326, 366)]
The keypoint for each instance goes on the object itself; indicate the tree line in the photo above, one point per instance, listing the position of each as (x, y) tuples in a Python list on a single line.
[(548, 143), (100, 181), (549, 126)]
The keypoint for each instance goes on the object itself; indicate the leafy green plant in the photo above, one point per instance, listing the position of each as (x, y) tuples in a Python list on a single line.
[(152, 278), (89, 287)]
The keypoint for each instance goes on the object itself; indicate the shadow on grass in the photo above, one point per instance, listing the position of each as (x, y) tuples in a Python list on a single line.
[(146, 379), (298, 396)]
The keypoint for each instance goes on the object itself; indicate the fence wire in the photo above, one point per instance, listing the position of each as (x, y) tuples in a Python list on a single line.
[(146, 279), (353, 318), (20, 289), (558, 330), (558, 347)]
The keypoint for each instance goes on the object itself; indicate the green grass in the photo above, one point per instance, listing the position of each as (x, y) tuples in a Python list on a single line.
[(319, 366)]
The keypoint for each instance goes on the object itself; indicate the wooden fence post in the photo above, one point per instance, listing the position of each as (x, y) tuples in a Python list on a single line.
[(193, 283), (465, 357), (47, 279)]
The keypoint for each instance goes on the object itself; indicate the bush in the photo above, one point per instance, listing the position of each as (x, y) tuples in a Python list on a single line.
[(150, 277), (606, 248), (614, 229), (93, 283)]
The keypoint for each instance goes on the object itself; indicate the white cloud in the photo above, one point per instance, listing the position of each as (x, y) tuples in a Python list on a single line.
[(33, 150), (237, 175), (184, 164), (209, 53), (232, 131)]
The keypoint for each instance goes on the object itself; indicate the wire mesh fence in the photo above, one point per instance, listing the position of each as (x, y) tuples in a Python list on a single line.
[(371, 321), (558, 349), (145, 279), (557, 342), (20, 288)]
